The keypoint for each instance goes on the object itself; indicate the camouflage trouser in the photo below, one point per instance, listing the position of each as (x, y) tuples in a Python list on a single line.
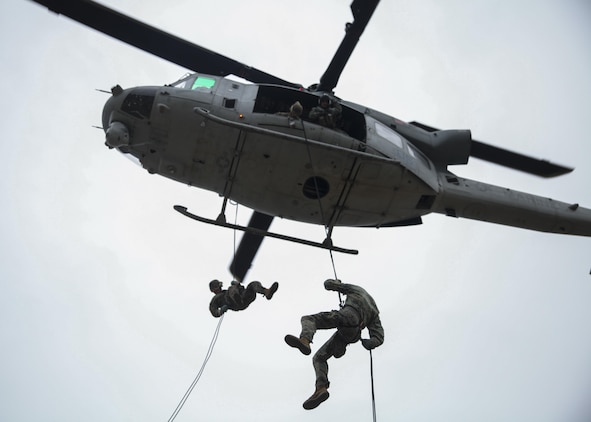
[(238, 298), (347, 323)]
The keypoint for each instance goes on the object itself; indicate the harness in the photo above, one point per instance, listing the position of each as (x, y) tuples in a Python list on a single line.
[(361, 324), (351, 333)]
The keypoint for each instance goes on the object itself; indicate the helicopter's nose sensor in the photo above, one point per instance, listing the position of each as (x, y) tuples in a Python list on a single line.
[(117, 135)]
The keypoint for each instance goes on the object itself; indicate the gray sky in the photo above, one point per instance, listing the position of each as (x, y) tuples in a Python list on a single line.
[(103, 311)]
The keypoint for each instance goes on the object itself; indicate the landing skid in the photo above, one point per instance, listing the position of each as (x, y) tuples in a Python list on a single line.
[(327, 245)]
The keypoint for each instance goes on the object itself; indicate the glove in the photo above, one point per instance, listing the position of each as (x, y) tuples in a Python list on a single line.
[(367, 343), (223, 309)]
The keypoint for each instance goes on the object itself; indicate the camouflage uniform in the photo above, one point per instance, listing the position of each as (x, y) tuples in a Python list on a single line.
[(359, 312), (329, 116), (236, 298)]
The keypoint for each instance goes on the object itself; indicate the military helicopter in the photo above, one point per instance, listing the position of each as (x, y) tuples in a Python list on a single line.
[(239, 140)]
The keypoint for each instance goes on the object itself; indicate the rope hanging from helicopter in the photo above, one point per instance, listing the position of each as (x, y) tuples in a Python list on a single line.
[(194, 383), (212, 343), (328, 234), (373, 395), (322, 215)]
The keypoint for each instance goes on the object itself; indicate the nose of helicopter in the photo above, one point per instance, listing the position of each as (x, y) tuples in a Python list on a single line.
[(113, 103), (127, 106), (116, 133)]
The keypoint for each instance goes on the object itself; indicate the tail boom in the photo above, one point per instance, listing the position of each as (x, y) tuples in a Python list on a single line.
[(467, 198)]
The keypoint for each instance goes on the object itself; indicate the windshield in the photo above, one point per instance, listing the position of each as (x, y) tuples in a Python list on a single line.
[(193, 81), (183, 81), (203, 82)]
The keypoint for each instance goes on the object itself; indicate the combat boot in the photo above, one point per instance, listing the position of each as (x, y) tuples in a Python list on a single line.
[(301, 343), (320, 395), (271, 290)]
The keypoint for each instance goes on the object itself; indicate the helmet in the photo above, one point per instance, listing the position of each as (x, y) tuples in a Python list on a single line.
[(296, 109), (324, 98), (214, 285)]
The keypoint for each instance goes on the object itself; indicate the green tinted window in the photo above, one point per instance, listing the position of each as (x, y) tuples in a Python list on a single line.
[(203, 82)]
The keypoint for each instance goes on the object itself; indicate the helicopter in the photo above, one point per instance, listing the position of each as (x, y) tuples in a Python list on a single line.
[(237, 139)]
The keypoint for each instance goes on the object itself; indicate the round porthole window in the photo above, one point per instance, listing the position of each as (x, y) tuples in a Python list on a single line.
[(316, 188)]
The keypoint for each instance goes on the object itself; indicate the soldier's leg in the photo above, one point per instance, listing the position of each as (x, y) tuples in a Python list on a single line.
[(256, 287), (328, 349), (320, 359), (271, 290), (320, 321), (250, 293), (346, 321), (310, 323)]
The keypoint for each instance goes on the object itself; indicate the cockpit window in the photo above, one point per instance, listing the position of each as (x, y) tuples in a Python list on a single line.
[(139, 102), (203, 82)]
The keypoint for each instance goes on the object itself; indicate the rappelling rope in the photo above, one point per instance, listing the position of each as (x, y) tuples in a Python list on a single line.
[(324, 222), (211, 345), (309, 151), (326, 229), (334, 269), (235, 222), (373, 396), (207, 356)]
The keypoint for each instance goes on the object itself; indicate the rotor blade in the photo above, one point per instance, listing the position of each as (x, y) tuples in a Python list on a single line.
[(157, 42), (362, 12), (506, 158), (514, 160), (249, 245)]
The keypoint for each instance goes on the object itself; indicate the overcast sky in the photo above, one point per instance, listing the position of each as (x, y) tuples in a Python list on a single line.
[(104, 301)]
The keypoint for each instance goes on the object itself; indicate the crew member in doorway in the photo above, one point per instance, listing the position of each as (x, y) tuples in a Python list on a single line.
[(326, 113), (359, 312), (295, 113), (236, 297)]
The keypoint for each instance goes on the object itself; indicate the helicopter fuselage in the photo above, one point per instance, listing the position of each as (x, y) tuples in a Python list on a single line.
[(239, 141)]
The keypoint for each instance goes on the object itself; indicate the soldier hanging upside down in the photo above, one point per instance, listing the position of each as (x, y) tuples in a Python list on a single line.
[(236, 297), (360, 311)]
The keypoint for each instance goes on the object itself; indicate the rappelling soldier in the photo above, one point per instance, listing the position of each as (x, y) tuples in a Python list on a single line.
[(359, 312), (237, 297)]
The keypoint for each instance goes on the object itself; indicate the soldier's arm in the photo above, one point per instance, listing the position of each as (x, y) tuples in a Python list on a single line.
[(315, 113), (216, 306), (336, 285), (215, 311), (337, 106), (376, 334)]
